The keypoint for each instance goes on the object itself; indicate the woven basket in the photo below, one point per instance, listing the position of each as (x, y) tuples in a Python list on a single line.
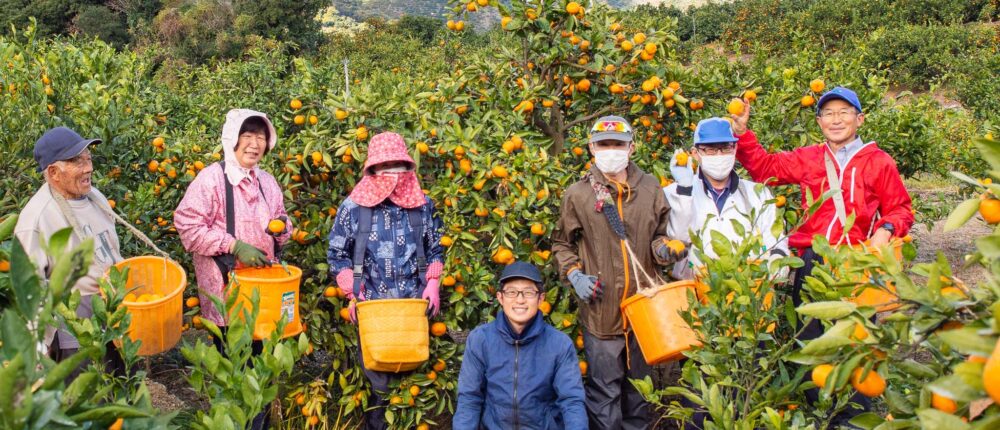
[(394, 334)]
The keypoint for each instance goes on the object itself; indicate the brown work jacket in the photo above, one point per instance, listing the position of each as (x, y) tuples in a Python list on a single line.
[(584, 240)]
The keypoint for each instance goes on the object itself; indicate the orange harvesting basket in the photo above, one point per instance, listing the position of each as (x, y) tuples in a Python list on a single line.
[(882, 300), (654, 316), (394, 334), (279, 297), (157, 322)]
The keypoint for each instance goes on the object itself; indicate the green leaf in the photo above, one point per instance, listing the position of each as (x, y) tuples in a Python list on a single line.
[(990, 150), (24, 281), (967, 341), (962, 213), (826, 345), (935, 419), (827, 310), (989, 246)]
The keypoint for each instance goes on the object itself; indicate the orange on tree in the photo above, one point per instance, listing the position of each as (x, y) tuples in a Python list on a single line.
[(192, 302), (780, 201), (639, 38), (440, 365), (583, 367), (583, 85), (439, 329), (295, 104), (504, 21), (750, 96), (871, 386), (860, 332), (330, 292), (545, 307), (820, 373), (807, 101), (943, 403), (817, 85), (312, 421), (537, 229), (345, 314), (313, 119), (340, 114), (990, 210), (196, 321), (299, 119), (446, 241), (499, 172), (300, 399), (423, 426), (414, 390), (158, 142), (153, 166), (117, 425), (573, 8), (991, 374), (627, 46), (448, 281)]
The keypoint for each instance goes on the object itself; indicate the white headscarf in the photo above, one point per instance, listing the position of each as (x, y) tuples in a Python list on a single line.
[(235, 173)]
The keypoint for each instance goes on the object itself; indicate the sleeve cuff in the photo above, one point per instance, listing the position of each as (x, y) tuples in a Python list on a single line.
[(434, 270), (345, 279)]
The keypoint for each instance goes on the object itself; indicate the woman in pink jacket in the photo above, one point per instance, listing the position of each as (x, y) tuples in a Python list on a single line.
[(201, 221)]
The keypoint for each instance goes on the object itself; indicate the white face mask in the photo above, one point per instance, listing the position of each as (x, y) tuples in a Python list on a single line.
[(611, 160), (718, 167)]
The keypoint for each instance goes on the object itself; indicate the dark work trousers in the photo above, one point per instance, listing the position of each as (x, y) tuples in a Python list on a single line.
[(113, 362), (375, 416), (612, 402), (815, 329), (262, 420)]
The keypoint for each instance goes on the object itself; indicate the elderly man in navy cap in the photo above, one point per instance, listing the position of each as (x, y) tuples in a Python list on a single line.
[(68, 200), (519, 371)]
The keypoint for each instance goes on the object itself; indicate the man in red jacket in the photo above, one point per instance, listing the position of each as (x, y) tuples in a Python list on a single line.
[(871, 189)]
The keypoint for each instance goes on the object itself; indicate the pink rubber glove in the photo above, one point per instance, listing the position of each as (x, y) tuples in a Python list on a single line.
[(345, 280), (432, 293)]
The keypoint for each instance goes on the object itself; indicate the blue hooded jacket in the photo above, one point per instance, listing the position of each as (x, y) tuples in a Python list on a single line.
[(531, 381)]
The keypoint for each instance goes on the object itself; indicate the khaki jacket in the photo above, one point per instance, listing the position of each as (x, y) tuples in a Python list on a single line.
[(583, 240)]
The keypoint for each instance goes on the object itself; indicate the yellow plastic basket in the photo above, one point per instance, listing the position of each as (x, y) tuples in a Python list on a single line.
[(156, 323), (394, 334), (279, 298)]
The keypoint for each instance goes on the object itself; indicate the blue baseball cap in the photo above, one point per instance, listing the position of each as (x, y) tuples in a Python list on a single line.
[(58, 144), (841, 93), (713, 130), (521, 269)]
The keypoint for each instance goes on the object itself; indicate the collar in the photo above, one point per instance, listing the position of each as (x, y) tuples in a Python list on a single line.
[(850, 148), (732, 186), (531, 330), (632, 174)]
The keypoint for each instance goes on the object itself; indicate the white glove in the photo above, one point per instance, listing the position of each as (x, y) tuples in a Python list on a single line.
[(683, 175)]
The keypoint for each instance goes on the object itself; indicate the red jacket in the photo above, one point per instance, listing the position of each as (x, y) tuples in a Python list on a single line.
[(871, 185)]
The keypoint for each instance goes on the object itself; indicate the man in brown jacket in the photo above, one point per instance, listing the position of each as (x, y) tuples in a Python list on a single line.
[(615, 202)]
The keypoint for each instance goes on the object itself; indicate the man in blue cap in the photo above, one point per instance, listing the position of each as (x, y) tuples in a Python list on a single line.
[(519, 371), (871, 191), (68, 199), (716, 197)]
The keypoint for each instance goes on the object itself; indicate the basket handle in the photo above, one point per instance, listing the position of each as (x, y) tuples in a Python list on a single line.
[(637, 268)]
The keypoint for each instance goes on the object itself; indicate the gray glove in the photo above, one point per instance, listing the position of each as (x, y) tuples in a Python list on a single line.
[(683, 175), (586, 286), (249, 255)]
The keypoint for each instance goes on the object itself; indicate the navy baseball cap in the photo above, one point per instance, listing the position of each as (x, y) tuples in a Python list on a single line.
[(59, 144), (841, 93), (521, 269)]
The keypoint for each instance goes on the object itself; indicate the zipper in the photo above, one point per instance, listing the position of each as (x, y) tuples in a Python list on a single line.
[(517, 357)]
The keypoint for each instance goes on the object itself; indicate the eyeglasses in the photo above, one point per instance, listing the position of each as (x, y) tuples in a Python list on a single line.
[(716, 149), (829, 115), (528, 294)]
